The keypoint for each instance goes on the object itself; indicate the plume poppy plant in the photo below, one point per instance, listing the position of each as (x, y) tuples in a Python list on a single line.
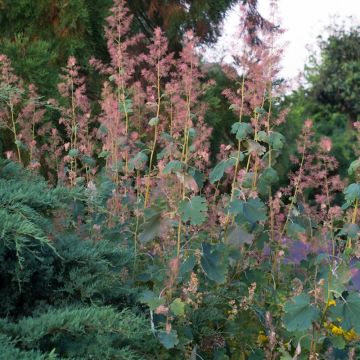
[(158, 66), (22, 114), (31, 125), (257, 57), (210, 246), (11, 92), (75, 116), (116, 104)]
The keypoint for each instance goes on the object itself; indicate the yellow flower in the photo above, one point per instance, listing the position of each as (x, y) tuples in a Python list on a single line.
[(337, 330), (331, 303), (262, 338), (350, 335)]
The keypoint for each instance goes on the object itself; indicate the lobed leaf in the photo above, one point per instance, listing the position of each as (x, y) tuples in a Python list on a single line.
[(241, 130), (212, 263), (299, 313), (218, 172), (193, 210)]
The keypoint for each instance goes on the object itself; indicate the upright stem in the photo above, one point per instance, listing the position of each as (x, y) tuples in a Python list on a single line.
[(271, 209), (185, 150), (73, 139), (355, 211), (171, 117), (13, 124), (238, 156), (122, 99), (329, 205), (268, 127), (32, 136), (186, 131), (292, 203), (237, 164), (148, 179), (256, 130), (353, 221), (137, 223)]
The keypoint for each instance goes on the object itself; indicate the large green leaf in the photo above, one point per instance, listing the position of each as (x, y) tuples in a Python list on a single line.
[(241, 130), (276, 140), (104, 154), (352, 193), (150, 229), (348, 311), (173, 166), (213, 264), (350, 230), (193, 209), (255, 148), (294, 230), (149, 298), (198, 176), (263, 136), (88, 160), (73, 152), (187, 265), (188, 181), (338, 342), (237, 236), (154, 121), (253, 210), (270, 176), (267, 178), (236, 207), (354, 167), (177, 307), (138, 162), (168, 339), (218, 172), (299, 313)]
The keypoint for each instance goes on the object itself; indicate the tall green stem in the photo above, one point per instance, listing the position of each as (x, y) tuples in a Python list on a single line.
[(148, 179)]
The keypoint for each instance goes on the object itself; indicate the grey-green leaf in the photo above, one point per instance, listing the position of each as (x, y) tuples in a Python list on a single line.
[(73, 152), (218, 172), (168, 339), (276, 140), (173, 166), (213, 264), (348, 311), (354, 167), (241, 130), (154, 121), (300, 313), (352, 193), (193, 209), (237, 236)]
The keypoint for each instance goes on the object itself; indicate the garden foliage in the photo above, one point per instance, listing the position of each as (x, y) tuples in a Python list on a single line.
[(139, 246)]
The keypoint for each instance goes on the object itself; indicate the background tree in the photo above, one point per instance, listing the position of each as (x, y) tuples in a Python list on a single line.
[(39, 36), (335, 80), (177, 16), (330, 94)]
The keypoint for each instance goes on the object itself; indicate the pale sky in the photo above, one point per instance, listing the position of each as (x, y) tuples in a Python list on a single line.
[(303, 21)]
